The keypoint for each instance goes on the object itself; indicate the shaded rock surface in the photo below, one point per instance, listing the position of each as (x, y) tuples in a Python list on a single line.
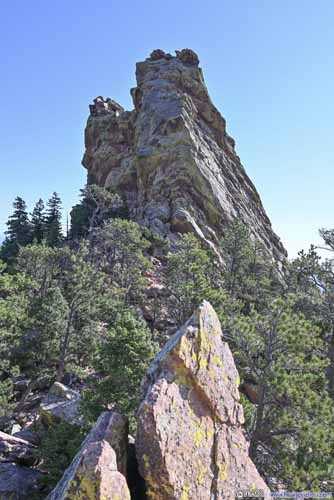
[(190, 442), (98, 470), (15, 449), (17, 482), (61, 404), (171, 158)]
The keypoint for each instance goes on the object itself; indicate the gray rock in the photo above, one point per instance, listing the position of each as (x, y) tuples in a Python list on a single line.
[(15, 449), (172, 158), (29, 435), (17, 482), (16, 428), (61, 404)]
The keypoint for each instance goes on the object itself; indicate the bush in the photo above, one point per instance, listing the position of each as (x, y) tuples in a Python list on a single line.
[(57, 450), (121, 363)]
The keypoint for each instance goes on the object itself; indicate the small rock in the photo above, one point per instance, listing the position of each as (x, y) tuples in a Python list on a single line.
[(29, 435), (61, 404), (16, 428), (20, 383), (188, 56), (61, 391), (157, 54)]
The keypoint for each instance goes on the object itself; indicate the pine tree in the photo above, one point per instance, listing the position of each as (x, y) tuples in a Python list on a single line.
[(18, 232), (38, 222), (191, 277), (120, 252), (53, 221), (280, 351), (249, 273), (97, 205), (122, 360), (13, 317), (18, 223)]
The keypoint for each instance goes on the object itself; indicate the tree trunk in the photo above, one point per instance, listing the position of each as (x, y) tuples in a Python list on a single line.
[(64, 347), (259, 421), (330, 369), (91, 231)]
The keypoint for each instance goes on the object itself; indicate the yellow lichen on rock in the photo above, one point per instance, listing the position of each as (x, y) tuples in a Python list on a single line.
[(189, 423)]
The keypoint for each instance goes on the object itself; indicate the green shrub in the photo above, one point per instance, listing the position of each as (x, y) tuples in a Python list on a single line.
[(57, 450)]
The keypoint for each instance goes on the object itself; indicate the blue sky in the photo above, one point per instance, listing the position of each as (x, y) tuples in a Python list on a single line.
[(268, 65)]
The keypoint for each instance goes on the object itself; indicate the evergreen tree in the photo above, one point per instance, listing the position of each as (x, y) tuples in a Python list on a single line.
[(279, 350), (18, 232), (120, 252), (67, 298), (312, 279), (249, 273), (121, 361), (14, 302), (81, 215), (97, 205), (19, 229), (53, 226), (84, 290), (38, 222), (192, 275)]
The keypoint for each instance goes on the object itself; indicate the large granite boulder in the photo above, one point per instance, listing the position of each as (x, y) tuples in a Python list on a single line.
[(18, 482), (61, 404), (172, 159), (190, 442), (98, 470), (15, 449)]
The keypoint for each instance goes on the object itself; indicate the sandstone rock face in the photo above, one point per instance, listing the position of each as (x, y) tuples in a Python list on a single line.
[(98, 470), (171, 158), (190, 442)]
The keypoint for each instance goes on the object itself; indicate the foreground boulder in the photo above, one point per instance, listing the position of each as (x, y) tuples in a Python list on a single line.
[(190, 442), (98, 470), (15, 449), (61, 405), (17, 482)]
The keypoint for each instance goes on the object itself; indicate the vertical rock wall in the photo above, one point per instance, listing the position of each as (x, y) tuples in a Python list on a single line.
[(171, 157)]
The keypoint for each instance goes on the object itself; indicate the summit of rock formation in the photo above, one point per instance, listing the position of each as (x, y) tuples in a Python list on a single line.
[(171, 158)]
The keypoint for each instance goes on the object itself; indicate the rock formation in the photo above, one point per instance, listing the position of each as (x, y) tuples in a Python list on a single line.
[(98, 471), (171, 158), (190, 442)]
